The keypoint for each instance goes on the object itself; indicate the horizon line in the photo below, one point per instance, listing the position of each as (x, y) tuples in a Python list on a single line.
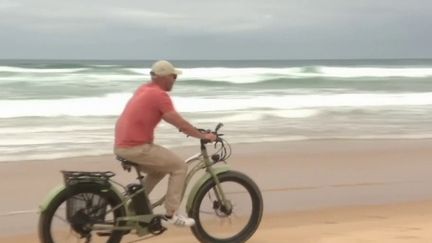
[(240, 59)]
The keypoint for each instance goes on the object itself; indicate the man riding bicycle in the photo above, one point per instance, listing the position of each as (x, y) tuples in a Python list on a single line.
[(134, 135)]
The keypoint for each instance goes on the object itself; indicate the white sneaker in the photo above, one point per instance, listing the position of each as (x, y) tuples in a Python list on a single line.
[(178, 220)]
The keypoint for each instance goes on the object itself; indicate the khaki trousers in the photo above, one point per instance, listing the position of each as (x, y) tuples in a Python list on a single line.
[(157, 161)]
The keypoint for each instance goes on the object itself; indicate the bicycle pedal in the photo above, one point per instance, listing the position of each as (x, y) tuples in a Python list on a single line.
[(158, 231)]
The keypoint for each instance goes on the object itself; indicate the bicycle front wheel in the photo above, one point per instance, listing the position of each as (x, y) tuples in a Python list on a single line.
[(73, 213), (237, 219)]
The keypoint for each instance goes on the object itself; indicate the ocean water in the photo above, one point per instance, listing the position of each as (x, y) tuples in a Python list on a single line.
[(56, 109)]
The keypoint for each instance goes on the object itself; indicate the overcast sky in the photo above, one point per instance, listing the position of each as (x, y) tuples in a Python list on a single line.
[(217, 29)]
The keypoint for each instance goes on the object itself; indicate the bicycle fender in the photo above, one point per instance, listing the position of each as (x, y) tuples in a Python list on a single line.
[(58, 189), (201, 181), (51, 195)]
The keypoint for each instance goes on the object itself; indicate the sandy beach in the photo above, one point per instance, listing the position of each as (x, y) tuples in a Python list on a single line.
[(314, 191)]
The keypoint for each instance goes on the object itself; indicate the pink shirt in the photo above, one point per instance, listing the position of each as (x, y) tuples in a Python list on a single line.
[(141, 115)]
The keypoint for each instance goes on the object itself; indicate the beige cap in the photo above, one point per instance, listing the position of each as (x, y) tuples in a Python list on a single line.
[(164, 68)]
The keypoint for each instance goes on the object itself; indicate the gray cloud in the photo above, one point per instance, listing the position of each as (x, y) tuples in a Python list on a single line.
[(222, 29)]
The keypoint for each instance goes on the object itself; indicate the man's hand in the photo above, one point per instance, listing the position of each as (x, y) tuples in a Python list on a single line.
[(210, 136)]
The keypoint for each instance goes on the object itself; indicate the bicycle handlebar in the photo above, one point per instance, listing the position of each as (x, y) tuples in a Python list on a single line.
[(224, 151), (218, 126)]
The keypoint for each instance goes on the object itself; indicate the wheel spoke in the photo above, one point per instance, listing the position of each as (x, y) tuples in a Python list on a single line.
[(91, 197), (61, 218), (78, 197)]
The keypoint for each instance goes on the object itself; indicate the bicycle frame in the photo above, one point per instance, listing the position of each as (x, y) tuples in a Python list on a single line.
[(204, 162)]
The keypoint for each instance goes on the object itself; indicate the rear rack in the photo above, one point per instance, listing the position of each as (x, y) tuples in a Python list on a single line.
[(75, 177)]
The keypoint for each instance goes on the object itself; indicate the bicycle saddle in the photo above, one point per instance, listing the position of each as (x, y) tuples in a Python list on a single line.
[(126, 164)]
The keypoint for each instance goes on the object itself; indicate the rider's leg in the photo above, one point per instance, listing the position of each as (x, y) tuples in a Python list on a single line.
[(176, 183), (152, 179), (165, 161), (157, 159)]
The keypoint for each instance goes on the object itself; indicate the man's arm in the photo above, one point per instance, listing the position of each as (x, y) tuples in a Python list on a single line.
[(176, 120)]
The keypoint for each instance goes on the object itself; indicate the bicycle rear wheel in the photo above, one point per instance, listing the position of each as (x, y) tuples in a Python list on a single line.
[(71, 215), (235, 223)]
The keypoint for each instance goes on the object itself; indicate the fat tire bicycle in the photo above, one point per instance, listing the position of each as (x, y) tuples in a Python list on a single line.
[(226, 205)]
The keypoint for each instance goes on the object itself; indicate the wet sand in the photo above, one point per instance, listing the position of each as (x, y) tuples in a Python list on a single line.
[(314, 191)]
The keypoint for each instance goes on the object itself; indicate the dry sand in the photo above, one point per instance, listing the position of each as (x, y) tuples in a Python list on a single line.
[(314, 191)]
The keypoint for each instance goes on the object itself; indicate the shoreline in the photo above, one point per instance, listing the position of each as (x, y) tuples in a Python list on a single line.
[(190, 148)]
